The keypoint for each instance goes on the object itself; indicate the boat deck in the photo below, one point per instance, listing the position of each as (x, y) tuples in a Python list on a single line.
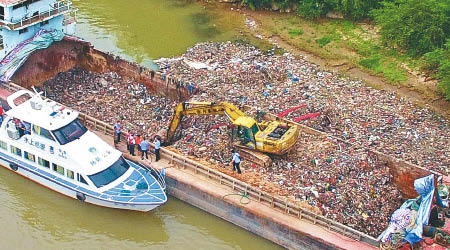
[(150, 194)]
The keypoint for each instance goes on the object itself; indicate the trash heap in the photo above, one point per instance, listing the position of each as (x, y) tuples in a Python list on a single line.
[(242, 74), (109, 97), (421, 218), (343, 182)]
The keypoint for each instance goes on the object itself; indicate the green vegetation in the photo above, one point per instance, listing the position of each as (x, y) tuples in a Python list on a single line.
[(295, 32), (324, 40), (409, 34), (418, 26), (438, 61), (310, 9)]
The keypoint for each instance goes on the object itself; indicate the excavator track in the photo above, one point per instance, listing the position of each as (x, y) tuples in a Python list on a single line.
[(253, 156)]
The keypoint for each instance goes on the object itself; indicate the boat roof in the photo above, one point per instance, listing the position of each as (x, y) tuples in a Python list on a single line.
[(91, 153), (50, 115), (7, 3)]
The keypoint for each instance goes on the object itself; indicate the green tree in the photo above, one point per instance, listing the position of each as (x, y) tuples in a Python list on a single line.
[(312, 9), (418, 26), (257, 4), (358, 9)]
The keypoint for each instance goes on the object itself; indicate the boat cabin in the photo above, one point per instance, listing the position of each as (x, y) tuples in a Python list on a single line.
[(22, 19), (41, 131)]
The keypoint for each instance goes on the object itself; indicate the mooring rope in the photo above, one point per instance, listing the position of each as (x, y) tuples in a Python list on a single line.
[(243, 195)]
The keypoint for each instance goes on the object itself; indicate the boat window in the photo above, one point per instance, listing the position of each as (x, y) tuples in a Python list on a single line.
[(58, 169), (110, 174), (24, 30), (81, 179), (3, 145), (42, 132), (70, 174), (29, 156), (16, 150), (17, 128), (43, 162), (70, 132), (255, 129)]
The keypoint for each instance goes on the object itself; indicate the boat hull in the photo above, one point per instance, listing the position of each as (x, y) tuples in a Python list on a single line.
[(29, 173)]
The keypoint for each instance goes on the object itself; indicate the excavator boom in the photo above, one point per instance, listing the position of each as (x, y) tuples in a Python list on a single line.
[(202, 108)]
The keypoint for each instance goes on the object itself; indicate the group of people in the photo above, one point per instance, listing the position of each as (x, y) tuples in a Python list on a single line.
[(135, 140), (343, 181)]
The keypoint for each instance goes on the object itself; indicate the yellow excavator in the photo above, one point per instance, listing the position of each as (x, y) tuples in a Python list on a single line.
[(273, 138)]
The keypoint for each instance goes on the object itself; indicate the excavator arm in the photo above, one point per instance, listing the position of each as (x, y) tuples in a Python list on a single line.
[(275, 138), (202, 108)]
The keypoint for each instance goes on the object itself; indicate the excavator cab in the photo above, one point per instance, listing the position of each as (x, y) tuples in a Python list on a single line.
[(245, 130), (245, 136)]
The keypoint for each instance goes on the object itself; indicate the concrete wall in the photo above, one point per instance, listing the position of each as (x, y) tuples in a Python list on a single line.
[(239, 216)]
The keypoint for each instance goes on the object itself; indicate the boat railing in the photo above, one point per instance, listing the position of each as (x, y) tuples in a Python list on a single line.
[(159, 176), (39, 15), (68, 19), (280, 203)]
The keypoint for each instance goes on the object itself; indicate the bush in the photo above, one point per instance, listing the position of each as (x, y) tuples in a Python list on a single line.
[(358, 9), (311, 9), (256, 4), (444, 86), (418, 26), (438, 61)]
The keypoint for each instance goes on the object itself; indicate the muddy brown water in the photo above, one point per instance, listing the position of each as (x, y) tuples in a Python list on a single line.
[(150, 29), (34, 217)]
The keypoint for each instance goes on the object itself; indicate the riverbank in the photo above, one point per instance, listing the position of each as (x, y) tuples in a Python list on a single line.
[(350, 48)]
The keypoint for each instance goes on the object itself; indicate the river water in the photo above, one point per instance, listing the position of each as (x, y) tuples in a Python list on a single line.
[(141, 29), (33, 217)]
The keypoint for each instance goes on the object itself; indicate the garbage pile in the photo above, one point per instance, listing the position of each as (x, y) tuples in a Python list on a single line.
[(243, 74), (421, 218), (109, 98)]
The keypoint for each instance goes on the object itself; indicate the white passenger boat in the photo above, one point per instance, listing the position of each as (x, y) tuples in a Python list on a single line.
[(45, 142)]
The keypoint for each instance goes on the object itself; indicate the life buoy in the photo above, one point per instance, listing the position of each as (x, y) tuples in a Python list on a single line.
[(13, 166), (81, 197)]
